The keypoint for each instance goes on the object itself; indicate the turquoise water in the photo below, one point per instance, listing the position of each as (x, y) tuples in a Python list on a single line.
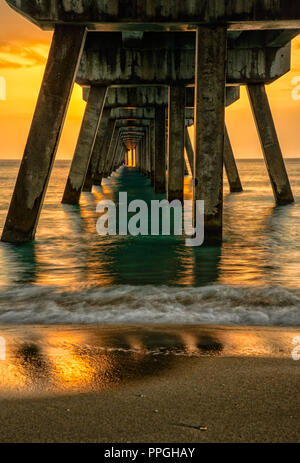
[(71, 274)]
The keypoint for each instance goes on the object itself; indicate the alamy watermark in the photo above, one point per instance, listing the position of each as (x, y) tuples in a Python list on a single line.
[(2, 89), (296, 350), (2, 348), (138, 224), (296, 89)]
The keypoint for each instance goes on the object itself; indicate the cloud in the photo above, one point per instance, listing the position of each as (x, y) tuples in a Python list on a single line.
[(16, 56), (4, 64)]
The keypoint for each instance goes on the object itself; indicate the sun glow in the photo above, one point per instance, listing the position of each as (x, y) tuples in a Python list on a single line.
[(23, 53)]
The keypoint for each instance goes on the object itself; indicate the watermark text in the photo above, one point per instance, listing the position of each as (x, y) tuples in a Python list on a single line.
[(2, 348), (2, 89), (135, 218), (296, 350)]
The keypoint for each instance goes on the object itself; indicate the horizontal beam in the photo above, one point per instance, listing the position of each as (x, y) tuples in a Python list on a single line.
[(151, 97), (169, 59), (114, 15), (142, 113)]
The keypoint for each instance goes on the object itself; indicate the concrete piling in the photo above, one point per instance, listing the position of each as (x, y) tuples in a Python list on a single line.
[(85, 145), (44, 135), (152, 150), (104, 149), (117, 156), (147, 152), (114, 153), (176, 124), (112, 150), (209, 127), (229, 162), (144, 154), (137, 155), (230, 166), (160, 150), (189, 149), (270, 144), (93, 177), (140, 156)]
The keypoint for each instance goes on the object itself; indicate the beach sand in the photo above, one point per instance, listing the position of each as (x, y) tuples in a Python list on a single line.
[(162, 394)]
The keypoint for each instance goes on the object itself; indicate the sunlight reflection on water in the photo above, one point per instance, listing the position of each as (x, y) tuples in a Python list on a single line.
[(261, 242)]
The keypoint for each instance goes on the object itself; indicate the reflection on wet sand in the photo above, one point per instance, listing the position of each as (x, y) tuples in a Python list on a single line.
[(45, 360)]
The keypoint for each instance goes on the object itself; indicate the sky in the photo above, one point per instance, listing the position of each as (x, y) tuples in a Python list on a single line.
[(23, 54)]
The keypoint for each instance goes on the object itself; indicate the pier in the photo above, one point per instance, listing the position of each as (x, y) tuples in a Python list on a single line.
[(148, 71)]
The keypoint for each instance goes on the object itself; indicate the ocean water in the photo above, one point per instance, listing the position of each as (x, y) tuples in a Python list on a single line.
[(70, 274)]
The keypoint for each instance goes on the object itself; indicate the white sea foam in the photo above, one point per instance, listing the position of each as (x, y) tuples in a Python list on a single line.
[(148, 304)]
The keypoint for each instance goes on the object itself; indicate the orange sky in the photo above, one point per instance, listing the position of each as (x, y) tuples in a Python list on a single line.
[(23, 53)]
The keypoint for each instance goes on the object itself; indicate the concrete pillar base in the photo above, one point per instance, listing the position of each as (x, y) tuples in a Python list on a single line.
[(88, 185), (97, 180)]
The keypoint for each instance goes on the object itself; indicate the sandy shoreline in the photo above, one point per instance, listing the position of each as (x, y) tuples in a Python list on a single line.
[(167, 399)]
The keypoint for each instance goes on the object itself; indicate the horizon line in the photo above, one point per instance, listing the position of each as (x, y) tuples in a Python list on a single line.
[(237, 158)]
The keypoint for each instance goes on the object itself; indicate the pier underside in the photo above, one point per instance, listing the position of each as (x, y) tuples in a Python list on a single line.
[(148, 72), (159, 15)]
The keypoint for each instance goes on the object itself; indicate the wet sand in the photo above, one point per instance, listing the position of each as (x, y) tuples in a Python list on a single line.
[(157, 390)]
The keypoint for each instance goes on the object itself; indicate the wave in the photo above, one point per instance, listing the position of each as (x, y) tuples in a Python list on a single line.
[(215, 304)]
